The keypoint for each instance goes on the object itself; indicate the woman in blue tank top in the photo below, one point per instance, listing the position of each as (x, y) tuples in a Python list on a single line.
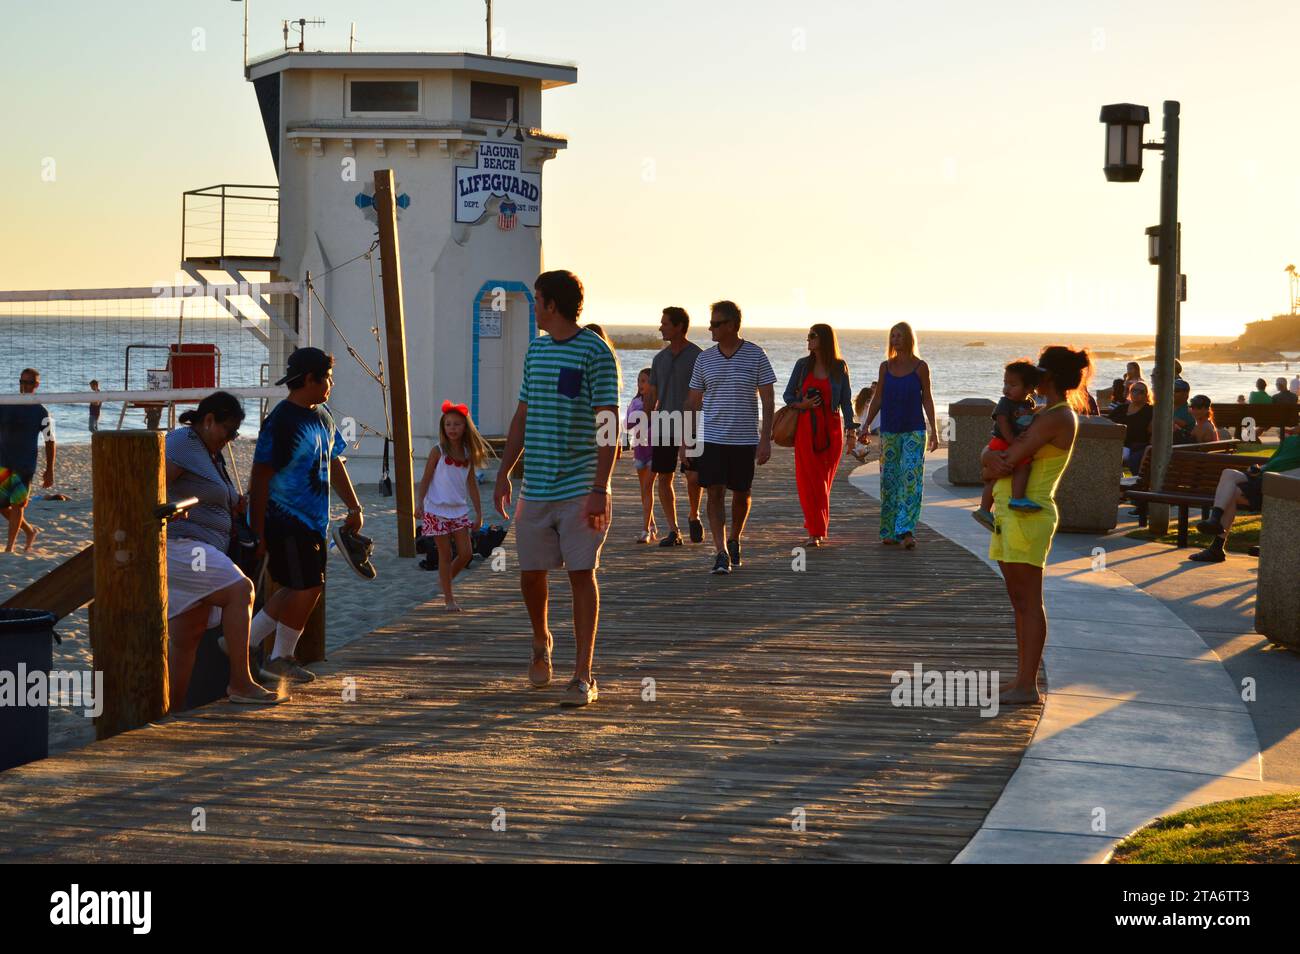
[(902, 398)]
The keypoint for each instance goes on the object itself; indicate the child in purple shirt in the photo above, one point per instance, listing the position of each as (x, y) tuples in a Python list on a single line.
[(638, 430)]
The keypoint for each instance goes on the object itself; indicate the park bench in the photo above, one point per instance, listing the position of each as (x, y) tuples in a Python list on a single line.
[(1265, 416), (1190, 482), (1142, 479)]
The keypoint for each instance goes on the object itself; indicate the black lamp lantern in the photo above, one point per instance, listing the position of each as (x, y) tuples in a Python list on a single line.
[(1124, 122), (1153, 245)]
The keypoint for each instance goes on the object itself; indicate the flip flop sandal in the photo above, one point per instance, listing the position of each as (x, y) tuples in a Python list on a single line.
[(264, 698)]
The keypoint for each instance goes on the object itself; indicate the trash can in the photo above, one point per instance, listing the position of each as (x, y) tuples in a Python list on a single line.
[(26, 646)]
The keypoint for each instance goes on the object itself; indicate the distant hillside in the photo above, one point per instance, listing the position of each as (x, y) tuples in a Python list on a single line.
[(1281, 333), (1262, 341)]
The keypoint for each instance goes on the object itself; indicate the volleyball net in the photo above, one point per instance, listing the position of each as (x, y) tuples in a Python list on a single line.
[(146, 350)]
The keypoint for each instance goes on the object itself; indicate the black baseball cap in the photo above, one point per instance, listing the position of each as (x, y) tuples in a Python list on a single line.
[(305, 361)]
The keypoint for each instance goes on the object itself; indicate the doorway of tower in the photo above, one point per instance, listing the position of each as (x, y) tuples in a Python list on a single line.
[(504, 322)]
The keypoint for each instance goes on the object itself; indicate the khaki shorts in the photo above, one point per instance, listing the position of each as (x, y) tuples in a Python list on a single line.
[(555, 534)]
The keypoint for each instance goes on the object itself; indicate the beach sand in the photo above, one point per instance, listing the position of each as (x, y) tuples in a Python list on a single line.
[(354, 606)]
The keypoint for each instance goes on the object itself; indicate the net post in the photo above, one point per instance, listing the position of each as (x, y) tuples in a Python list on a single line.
[(390, 259)]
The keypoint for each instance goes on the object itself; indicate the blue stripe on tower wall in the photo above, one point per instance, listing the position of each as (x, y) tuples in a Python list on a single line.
[(519, 287)]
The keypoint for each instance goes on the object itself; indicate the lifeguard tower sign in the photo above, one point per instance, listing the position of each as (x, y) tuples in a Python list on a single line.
[(498, 172)]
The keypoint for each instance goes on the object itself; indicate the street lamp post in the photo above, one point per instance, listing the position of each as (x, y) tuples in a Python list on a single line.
[(1124, 147)]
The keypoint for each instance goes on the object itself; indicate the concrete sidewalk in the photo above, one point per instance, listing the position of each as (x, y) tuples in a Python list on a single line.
[(1218, 601), (1142, 718)]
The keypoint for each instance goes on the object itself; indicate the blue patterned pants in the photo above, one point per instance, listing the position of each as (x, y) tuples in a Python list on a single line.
[(902, 469)]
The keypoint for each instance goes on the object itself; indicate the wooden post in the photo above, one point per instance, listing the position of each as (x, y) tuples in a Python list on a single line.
[(128, 620), (390, 259)]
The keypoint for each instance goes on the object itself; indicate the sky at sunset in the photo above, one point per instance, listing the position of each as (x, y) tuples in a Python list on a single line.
[(853, 162)]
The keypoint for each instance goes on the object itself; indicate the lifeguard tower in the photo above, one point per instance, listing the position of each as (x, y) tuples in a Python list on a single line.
[(461, 131)]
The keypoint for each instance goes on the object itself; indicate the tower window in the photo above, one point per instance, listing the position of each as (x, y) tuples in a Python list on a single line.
[(494, 101), (384, 96)]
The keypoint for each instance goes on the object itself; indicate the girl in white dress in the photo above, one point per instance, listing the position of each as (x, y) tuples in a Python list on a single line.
[(447, 488)]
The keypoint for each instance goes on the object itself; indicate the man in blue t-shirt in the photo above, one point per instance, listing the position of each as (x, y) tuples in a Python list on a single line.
[(298, 456), (21, 426)]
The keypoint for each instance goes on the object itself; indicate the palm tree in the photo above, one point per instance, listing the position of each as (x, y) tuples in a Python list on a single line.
[(1293, 280)]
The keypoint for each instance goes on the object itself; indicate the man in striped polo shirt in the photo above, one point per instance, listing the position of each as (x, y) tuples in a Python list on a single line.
[(569, 394), (726, 385)]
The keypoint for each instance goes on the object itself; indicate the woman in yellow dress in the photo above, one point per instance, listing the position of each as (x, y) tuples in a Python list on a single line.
[(1021, 539)]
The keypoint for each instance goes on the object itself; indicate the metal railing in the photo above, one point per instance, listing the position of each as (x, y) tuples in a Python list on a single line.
[(230, 220)]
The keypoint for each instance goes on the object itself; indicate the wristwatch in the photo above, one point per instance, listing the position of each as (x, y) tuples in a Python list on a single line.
[(600, 490)]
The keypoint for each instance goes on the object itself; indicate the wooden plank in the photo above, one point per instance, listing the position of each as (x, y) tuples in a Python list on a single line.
[(63, 590), (771, 694)]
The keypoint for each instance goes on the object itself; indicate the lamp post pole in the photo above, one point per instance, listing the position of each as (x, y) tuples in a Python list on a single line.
[(1162, 436)]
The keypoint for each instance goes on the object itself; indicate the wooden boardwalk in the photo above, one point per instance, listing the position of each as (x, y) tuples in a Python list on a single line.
[(771, 695)]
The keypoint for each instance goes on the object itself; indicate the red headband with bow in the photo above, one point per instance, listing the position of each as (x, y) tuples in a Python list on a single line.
[(461, 409)]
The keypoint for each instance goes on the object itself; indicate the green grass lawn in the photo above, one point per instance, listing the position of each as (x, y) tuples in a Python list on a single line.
[(1243, 535), (1256, 449), (1260, 830)]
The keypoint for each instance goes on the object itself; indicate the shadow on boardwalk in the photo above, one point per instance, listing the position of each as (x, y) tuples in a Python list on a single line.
[(729, 707)]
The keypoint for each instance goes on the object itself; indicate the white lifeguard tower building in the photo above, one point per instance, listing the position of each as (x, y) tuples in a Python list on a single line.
[(461, 132)]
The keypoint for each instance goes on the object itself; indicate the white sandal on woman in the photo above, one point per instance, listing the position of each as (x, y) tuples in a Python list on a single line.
[(265, 697)]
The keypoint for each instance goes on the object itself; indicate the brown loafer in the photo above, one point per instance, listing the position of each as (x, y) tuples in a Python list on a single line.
[(539, 670)]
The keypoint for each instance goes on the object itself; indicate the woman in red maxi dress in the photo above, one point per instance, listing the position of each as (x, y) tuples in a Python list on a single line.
[(819, 387)]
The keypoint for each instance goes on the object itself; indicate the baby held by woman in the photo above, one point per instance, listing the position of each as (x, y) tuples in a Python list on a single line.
[(1011, 418)]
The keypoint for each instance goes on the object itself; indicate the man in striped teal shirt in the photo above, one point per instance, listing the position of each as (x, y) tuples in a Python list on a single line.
[(566, 426)]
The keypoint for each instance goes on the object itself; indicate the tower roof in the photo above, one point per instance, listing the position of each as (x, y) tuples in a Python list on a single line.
[(551, 75)]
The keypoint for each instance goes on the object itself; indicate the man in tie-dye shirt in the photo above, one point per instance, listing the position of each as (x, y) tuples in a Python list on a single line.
[(298, 455)]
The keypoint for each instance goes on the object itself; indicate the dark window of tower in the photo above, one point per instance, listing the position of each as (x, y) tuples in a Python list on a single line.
[(384, 96), (495, 101)]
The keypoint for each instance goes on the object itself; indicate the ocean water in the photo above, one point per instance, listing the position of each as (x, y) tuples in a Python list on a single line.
[(958, 369), (69, 351)]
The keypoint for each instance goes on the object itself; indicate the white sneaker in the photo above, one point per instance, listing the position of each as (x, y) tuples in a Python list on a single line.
[(579, 693)]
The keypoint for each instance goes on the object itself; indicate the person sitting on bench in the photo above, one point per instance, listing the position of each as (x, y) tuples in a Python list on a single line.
[(1237, 489), (1137, 417)]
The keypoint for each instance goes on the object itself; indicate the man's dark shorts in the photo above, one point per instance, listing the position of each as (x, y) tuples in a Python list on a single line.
[(295, 558), (663, 460), (730, 464)]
